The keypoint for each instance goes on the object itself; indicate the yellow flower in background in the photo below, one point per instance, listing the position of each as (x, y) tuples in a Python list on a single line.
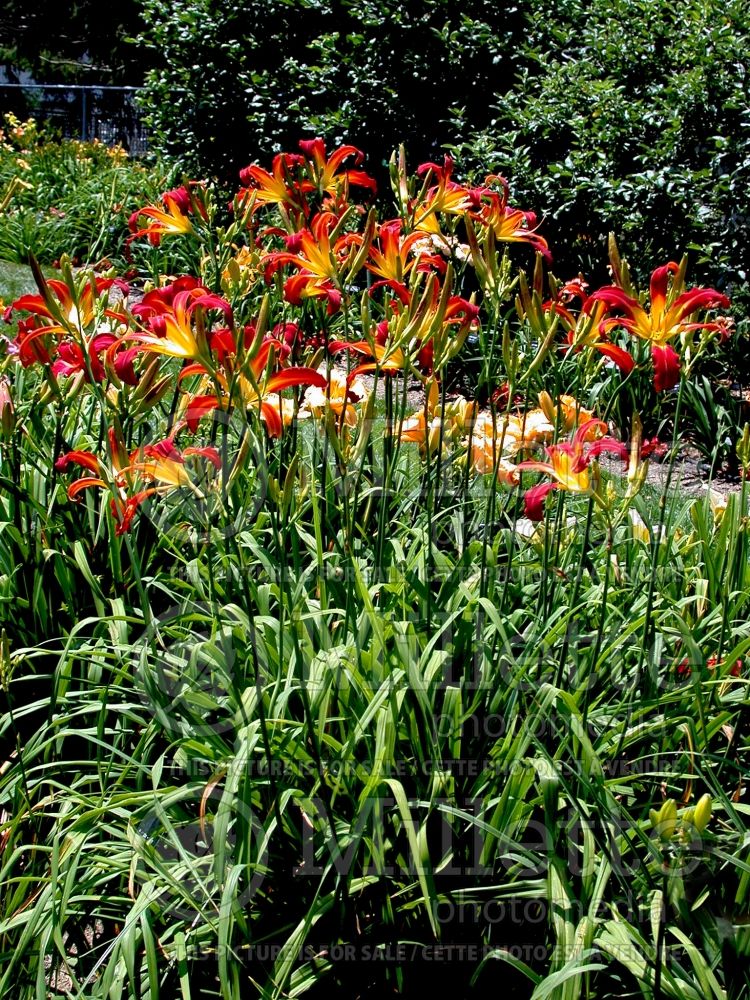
[(285, 407), (638, 527), (566, 414), (718, 502), (339, 397), (492, 442), (242, 272)]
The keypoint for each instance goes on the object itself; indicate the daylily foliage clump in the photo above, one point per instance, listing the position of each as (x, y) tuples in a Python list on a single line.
[(318, 504)]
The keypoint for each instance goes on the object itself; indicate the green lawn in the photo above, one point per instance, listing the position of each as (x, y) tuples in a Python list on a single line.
[(15, 280)]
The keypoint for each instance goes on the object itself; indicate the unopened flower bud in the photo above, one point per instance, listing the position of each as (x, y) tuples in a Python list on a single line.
[(664, 821), (6, 664), (703, 810), (7, 410), (75, 385), (743, 449)]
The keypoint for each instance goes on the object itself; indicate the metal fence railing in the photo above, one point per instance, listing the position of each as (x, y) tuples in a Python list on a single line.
[(80, 111)]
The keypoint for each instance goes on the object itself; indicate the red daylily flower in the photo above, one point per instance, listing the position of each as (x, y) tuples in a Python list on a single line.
[(320, 263), (671, 307), (326, 173), (428, 319), (569, 465), (159, 301), (71, 359), (666, 367), (683, 668)]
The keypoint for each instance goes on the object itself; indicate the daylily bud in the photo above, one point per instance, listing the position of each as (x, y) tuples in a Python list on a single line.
[(150, 389), (615, 262), (523, 299), (701, 596), (434, 434), (477, 260), (6, 664), (510, 353), (154, 395), (74, 386), (610, 493), (743, 449), (45, 394), (289, 483), (703, 810), (636, 441), (664, 821), (548, 407), (638, 527), (637, 480), (7, 410), (616, 568)]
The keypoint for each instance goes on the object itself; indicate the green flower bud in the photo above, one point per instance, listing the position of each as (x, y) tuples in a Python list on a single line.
[(702, 813), (665, 821), (7, 411)]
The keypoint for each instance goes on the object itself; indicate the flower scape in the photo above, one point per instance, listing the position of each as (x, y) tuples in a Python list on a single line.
[(337, 604)]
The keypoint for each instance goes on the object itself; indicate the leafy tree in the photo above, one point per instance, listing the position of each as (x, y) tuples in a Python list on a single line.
[(241, 82), (632, 116)]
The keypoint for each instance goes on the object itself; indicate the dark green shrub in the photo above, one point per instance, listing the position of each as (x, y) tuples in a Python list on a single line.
[(238, 83), (633, 117)]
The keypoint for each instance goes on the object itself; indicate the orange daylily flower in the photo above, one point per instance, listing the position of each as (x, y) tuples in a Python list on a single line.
[(179, 331), (569, 465), (584, 329), (63, 313), (171, 220), (510, 225), (672, 305), (446, 197), (258, 389), (162, 466), (391, 260), (320, 263), (387, 358), (326, 172), (280, 187)]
